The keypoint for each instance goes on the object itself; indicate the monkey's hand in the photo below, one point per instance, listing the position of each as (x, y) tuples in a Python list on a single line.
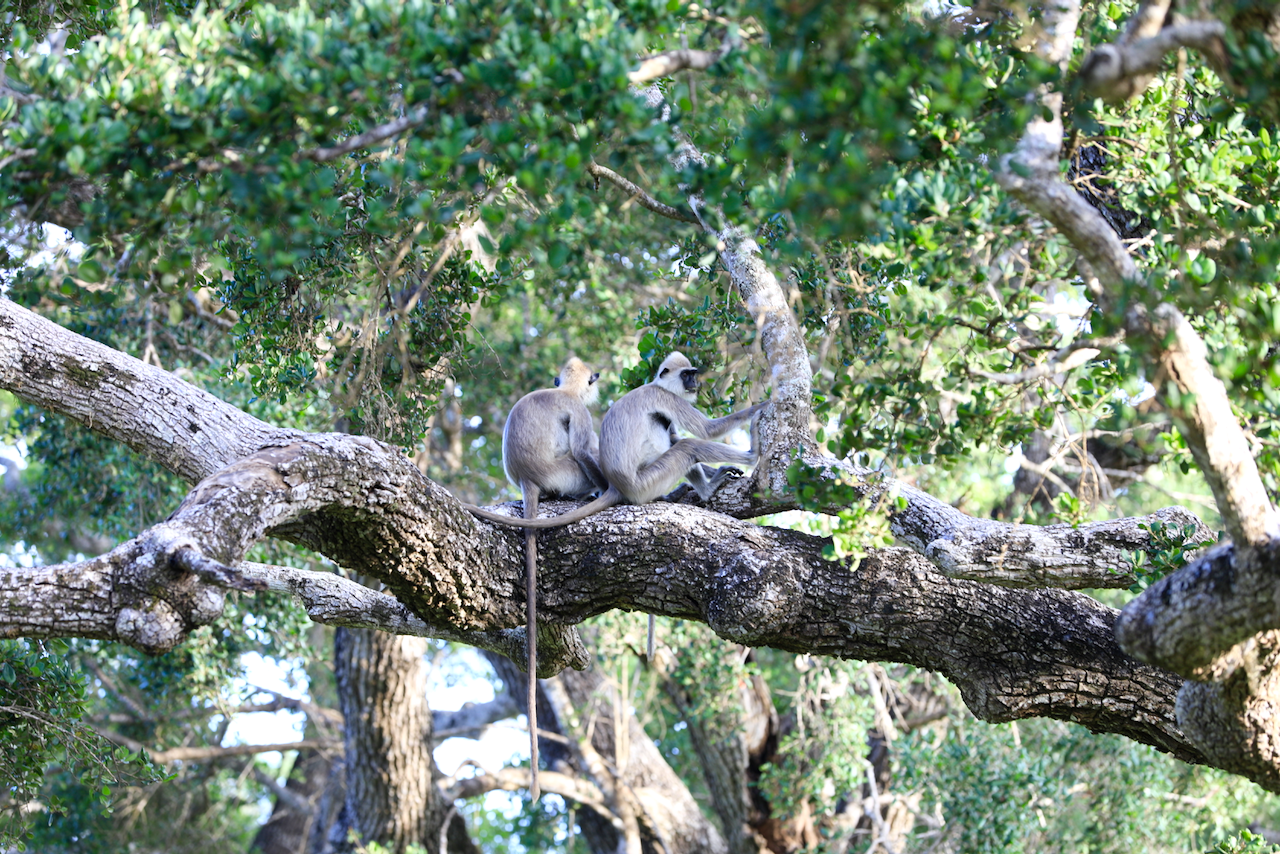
[(682, 494), (704, 480)]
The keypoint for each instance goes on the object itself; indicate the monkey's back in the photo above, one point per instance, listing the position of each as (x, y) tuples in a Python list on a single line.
[(536, 445), (633, 434)]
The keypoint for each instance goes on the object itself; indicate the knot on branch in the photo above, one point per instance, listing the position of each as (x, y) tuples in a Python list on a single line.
[(756, 591), (169, 588), (153, 626), (559, 647), (189, 559)]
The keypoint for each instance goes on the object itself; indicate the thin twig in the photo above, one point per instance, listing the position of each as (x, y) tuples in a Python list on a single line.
[(412, 119), (19, 154), (644, 199)]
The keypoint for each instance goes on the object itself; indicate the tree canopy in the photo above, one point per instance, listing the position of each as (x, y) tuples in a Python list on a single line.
[(1006, 275)]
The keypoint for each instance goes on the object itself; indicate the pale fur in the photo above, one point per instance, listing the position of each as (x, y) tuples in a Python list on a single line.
[(549, 447), (642, 457)]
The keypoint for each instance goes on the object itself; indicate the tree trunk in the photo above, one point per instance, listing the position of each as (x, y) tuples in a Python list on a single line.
[(302, 817), (391, 794), (576, 703)]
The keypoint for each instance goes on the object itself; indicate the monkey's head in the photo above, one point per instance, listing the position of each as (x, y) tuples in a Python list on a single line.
[(577, 379), (678, 375)]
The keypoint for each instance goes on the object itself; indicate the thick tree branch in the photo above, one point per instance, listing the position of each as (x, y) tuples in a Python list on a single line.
[(188, 431), (1124, 69), (1234, 721), (1092, 555), (765, 587), (786, 425), (673, 61)]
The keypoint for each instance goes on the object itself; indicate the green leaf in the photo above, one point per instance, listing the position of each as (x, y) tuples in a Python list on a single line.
[(75, 160)]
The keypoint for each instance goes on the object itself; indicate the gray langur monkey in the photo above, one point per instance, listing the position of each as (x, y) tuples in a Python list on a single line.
[(640, 455), (643, 457), (549, 446)]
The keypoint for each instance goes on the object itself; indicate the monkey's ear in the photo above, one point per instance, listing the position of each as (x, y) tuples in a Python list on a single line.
[(557, 382), (663, 372)]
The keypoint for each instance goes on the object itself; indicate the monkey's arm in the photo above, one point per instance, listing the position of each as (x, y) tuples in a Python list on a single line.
[(685, 416), (720, 426), (585, 447)]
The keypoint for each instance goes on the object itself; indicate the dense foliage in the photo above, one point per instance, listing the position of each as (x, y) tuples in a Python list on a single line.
[(412, 287)]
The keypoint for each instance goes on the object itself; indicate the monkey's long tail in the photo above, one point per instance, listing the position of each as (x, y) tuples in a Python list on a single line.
[(531, 592), (530, 492), (610, 497)]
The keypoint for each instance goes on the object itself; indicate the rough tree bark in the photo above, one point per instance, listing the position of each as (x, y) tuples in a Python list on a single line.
[(1204, 621), (1014, 653), (391, 793)]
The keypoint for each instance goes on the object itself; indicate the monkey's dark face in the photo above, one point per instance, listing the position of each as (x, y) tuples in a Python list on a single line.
[(593, 379), (689, 376)]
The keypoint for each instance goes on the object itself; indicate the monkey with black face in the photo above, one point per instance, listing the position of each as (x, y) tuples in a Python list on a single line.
[(549, 447), (642, 457)]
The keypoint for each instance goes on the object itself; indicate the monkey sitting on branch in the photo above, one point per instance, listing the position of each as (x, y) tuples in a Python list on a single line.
[(549, 447), (642, 458), (640, 455)]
